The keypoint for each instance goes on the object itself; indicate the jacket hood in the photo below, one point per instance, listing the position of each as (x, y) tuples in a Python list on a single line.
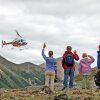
[(84, 60)]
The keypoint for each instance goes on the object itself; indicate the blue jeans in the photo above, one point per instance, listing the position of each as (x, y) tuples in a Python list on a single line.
[(69, 72)]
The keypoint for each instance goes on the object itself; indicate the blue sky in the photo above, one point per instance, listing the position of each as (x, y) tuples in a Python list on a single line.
[(56, 22)]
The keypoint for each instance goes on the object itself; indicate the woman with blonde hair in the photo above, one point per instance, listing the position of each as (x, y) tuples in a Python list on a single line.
[(85, 68)]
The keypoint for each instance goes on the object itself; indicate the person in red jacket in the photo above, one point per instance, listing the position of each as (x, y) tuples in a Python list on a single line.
[(68, 66)]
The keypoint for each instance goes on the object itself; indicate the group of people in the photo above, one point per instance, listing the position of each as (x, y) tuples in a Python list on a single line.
[(68, 64)]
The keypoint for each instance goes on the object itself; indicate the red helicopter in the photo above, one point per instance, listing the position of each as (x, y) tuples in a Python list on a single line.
[(17, 42)]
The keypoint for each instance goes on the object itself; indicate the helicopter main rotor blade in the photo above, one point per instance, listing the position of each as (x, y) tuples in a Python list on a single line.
[(18, 33)]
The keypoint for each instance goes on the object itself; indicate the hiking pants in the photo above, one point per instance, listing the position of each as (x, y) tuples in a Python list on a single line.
[(85, 82), (49, 79)]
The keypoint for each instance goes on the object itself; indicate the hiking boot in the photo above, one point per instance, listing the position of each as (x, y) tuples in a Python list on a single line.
[(64, 88), (71, 88), (98, 88), (55, 80)]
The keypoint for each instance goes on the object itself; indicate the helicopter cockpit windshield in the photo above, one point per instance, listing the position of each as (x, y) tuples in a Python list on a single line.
[(19, 40)]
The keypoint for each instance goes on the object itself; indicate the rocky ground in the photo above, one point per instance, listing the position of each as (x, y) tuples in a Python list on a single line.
[(35, 93)]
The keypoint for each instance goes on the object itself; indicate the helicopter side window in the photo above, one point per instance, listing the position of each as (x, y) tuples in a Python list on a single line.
[(22, 40), (19, 40)]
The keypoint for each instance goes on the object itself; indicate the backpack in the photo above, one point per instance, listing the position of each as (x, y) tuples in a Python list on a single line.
[(69, 59), (97, 79)]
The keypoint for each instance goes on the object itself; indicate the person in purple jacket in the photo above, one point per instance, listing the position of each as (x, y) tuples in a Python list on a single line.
[(85, 68)]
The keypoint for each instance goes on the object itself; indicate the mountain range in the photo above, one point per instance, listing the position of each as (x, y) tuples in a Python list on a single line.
[(19, 75)]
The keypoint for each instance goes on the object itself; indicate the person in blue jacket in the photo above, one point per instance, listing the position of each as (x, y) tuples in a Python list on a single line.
[(50, 68), (97, 76), (98, 58)]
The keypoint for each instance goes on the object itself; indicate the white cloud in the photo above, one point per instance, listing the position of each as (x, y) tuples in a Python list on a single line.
[(57, 22)]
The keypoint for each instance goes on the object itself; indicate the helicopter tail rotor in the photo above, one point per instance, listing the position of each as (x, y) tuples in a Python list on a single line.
[(3, 43)]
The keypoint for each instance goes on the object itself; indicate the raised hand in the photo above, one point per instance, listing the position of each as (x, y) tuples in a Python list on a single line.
[(99, 47), (88, 55), (44, 45), (75, 52)]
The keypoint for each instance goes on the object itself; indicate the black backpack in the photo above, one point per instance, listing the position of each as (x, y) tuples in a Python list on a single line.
[(97, 79), (69, 59)]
